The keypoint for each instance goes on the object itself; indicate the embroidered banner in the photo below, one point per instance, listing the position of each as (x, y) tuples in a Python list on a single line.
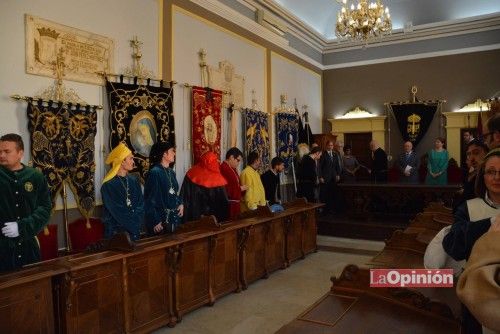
[(305, 134), (287, 126), (256, 129), (140, 115), (414, 119), (62, 148), (207, 131)]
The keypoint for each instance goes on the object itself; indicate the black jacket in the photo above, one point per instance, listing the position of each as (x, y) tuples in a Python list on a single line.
[(329, 166), (199, 200), (271, 186)]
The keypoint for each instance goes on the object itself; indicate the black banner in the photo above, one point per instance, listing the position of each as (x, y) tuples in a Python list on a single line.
[(140, 115), (62, 148), (305, 134), (414, 119)]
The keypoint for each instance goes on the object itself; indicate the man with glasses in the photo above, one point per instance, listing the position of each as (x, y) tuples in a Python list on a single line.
[(492, 137), (475, 152), (229, 169)]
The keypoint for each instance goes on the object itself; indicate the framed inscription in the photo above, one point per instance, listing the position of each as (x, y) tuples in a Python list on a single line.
[(225, 79), (84, 53)]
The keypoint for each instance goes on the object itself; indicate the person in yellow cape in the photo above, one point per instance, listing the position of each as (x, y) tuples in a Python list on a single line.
[(255, 195), (121, 195)]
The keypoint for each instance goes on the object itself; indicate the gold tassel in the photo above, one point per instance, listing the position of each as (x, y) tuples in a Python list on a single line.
[(46, 231)]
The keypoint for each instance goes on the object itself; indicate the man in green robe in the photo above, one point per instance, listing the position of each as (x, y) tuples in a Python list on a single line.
[(25, 206)]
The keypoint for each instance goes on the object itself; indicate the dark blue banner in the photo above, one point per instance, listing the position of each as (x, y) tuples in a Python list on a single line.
[(256, 125)]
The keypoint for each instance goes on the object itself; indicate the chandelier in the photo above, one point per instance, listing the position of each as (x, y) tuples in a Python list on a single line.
[(364, 21)]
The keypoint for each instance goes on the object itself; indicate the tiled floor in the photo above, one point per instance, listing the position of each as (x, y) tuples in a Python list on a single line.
[(270, 303)]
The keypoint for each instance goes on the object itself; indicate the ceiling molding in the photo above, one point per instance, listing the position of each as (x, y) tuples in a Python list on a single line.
[(309, 34), (244, 22), (414, 56), (316, 41), (424, 32)]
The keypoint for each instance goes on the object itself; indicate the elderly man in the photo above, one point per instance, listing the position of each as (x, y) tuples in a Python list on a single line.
[(24, 206), (408, 164)]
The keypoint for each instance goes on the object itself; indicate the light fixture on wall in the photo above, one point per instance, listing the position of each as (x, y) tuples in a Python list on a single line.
[(363, 21)]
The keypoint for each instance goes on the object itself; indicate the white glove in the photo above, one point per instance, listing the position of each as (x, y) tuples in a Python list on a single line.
[(11, 230)]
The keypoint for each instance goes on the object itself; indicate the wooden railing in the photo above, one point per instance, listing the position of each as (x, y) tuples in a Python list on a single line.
[(158, 282)]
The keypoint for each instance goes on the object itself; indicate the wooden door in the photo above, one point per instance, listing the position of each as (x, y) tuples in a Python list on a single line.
[(360, 145)]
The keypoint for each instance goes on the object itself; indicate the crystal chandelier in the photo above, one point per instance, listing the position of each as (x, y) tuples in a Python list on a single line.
[(364, 21)]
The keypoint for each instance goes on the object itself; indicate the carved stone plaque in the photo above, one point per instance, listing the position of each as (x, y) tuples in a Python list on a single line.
[(84, 53), (225, 79)]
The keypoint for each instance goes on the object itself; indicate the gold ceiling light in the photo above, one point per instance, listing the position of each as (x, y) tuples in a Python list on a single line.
[(363, 21)]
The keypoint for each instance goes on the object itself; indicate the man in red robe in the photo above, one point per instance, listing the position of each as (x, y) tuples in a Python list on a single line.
[(234, 189)]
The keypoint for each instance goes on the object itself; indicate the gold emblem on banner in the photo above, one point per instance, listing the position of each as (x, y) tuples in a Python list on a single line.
[(413, 128), (28, 186)]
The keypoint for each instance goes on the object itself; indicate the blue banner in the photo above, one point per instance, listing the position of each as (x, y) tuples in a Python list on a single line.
[(287, 133), (257, 135)]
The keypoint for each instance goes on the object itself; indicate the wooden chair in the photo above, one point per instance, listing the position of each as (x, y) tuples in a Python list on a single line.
[(48, 242), (83, 232)]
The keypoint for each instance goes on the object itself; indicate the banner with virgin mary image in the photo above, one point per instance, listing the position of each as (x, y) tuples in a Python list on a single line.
[(207, 131), (140, 115), (62, 148), (256, 129), (287, 132)]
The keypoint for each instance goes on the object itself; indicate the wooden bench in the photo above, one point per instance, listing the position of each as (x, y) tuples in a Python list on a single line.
[(352, 306)]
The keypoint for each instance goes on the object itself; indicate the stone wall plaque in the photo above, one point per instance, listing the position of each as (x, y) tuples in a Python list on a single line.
[(84, 53), (225, 79)]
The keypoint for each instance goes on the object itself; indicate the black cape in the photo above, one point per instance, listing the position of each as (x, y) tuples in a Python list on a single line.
[(199, 200)]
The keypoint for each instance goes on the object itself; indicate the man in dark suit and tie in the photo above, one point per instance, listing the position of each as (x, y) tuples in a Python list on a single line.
[(329, 166), (408, 164)]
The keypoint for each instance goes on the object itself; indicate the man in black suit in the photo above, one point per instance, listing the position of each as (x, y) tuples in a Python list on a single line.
[(308, 174), (329, 175), (379, 163), (408, 164), (271, 181)]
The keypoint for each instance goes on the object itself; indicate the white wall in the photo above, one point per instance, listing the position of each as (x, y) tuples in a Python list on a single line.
[(300, 83), (190, 34), (116, 19)]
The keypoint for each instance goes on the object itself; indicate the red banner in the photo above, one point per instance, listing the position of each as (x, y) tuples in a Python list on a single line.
[(207, 131)]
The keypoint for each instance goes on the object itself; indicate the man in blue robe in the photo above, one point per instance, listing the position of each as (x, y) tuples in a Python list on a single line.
[(122, 196), (163, 205)]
